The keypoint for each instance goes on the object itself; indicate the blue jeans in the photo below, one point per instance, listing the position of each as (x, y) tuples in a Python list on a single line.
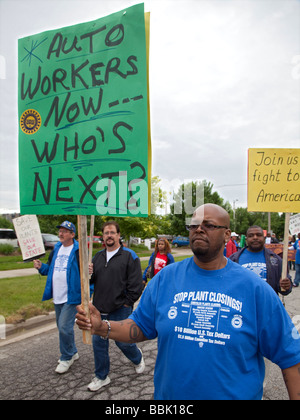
[(65, 319), (101, 347), (297, 276)]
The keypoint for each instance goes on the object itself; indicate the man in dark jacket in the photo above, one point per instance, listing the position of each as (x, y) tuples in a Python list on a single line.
[(264, 262), (117, 277)]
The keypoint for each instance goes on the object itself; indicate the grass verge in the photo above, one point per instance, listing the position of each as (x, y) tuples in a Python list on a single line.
[(21, 297)]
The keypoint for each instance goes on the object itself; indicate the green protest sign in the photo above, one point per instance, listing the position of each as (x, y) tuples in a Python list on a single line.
[(83, 121)]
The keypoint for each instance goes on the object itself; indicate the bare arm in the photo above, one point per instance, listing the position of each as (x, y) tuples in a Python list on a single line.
[(291, 378), (125, 331)]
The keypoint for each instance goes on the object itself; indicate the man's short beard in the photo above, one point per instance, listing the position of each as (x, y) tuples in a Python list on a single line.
[(205, 254)]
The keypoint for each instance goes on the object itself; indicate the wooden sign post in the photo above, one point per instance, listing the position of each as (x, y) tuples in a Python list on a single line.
[(285, 249), (92, 225), (84, 271)]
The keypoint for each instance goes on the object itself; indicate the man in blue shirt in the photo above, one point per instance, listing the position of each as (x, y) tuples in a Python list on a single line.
[(63, 285), (262, 261), (215, 322)]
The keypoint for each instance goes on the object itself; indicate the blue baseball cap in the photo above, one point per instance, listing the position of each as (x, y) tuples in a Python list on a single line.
[(67, 225)]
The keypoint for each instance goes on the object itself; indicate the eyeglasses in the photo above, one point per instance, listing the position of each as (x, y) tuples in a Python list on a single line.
[(110, 233), (208, 227)]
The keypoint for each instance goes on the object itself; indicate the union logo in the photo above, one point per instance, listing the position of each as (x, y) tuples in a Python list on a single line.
[(30, 121)]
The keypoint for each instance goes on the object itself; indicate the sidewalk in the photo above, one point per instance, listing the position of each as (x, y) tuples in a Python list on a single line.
[(31, 271)]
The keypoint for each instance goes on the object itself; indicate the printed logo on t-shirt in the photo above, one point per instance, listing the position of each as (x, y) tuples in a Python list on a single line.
[(206, 317), (172, 314), (61, 263), (258, 268)]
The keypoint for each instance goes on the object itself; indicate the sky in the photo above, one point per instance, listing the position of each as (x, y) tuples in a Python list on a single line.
[(224, 77)]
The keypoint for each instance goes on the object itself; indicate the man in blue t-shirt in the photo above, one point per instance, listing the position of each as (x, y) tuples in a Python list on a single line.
[(215, 322), (262, 261)]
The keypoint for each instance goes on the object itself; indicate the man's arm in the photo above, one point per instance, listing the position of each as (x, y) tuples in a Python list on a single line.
[(125, 331), (291, 378)]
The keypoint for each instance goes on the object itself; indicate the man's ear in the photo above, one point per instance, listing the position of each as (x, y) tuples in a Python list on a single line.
[(227, 235)]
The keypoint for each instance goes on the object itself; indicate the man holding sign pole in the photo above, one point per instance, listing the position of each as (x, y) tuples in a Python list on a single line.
[(117, 277), (265, 263), (215, 321)]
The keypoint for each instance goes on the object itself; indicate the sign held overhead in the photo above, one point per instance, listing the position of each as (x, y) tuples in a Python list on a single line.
[(274, 180), (83, 118)]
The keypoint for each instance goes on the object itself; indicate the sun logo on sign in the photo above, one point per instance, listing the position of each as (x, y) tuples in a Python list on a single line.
[(30, 121)]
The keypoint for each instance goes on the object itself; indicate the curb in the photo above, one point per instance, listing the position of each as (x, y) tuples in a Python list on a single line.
[(13, 331)]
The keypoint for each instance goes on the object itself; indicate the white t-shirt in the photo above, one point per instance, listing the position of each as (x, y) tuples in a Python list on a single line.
[(110, 254), (59, 280)]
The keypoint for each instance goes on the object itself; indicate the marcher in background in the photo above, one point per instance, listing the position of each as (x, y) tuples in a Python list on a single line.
[(117, 277), (292, 240), (63, 285), (274, 240), (264, 262), (268, 238), (297, 262), (231, 246), (159, 259), (214, 320)]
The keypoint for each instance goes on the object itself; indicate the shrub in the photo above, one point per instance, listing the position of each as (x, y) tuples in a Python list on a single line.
[(6, 249)]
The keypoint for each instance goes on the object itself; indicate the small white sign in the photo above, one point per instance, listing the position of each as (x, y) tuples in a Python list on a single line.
[(295, 224), (29, 236)]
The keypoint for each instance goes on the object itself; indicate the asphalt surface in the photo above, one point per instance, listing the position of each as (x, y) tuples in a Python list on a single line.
[(28, 361)]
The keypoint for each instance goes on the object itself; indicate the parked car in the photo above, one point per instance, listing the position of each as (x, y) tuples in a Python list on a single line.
[(49, 240), (180, 241), (96, 239), (8, 236)]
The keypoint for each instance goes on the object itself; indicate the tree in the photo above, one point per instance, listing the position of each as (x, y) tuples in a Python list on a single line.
[(188, 198), (245, 219)]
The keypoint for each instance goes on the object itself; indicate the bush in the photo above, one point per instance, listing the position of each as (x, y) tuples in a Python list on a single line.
[(6, 249)]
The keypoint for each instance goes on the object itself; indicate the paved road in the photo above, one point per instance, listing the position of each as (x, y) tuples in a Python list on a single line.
[(27, 370)]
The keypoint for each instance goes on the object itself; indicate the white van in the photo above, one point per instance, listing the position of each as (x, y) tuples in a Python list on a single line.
[(8, 236)]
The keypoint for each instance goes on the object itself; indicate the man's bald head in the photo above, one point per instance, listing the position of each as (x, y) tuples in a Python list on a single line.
[(210, 210)]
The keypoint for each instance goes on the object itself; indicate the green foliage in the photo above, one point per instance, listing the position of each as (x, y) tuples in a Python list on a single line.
[(188, 197), (6, 249), (5, 224), (245, 219)]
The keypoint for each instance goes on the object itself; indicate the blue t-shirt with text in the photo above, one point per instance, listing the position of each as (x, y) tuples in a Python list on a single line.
[(254, 261), (214, 328)]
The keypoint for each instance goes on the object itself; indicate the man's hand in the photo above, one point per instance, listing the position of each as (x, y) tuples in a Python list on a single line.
[(285, 284), (91, 268), (37, 264), (94, 323), (125, 331)]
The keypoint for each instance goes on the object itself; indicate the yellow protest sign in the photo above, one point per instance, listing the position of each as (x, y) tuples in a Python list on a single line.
[(274, 180)]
